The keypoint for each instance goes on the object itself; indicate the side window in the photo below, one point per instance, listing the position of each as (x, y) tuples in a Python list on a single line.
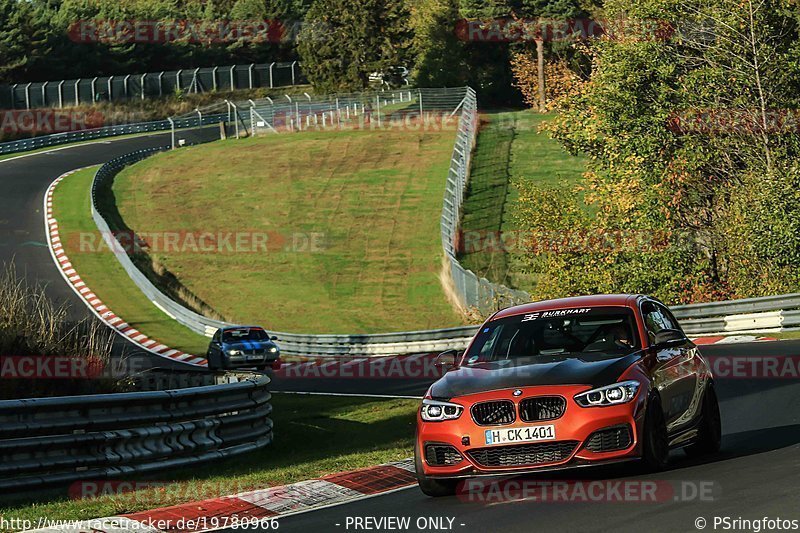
[(217, 336), (669, 320), (656, 319)]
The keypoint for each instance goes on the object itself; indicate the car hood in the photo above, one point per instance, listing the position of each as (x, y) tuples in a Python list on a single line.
[(595, 370), (249, 345)]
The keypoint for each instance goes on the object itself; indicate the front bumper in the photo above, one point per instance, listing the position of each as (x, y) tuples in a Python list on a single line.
[(570, 448)]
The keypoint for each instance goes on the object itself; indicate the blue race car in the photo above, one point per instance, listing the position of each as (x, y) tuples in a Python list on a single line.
[(243, 347)]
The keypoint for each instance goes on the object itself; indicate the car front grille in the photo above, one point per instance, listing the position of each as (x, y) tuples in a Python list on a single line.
[(524, 454), (610, 439), (542, 408), (442, 455), (494, 413)]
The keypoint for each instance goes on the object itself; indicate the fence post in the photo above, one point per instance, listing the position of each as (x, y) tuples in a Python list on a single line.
[(77, 91), (94, 89), (200, 115), (420, 103), (172, 127), (160, 83), (214, 78), (14, 96), (293, 78), (378, 108), (44, 94), (28, 96), (60, 94), (236, 118), (233, 87), (250, 74), (297, 114), (126, 87), (143, 82), (110, 86), (271, 65), (178, 81)]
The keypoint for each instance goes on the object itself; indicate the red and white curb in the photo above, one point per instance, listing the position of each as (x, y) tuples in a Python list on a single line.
[(94, 303), (730, 339), (266, 504)]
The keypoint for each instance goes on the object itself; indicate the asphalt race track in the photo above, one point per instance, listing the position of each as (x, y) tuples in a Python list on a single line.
[(23, 182), (755, 476)]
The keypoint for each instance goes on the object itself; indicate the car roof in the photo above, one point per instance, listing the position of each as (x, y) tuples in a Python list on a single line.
[(226, 328), (598, 300)]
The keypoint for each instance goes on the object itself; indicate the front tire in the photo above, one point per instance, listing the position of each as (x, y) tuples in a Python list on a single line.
[(435, 488), (655, 442), (709, 437)]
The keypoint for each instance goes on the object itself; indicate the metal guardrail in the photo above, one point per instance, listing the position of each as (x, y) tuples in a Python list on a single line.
[(46, 141), (46, 441)]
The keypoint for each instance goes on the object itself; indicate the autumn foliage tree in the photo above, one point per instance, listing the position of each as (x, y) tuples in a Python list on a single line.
[(719, 197)]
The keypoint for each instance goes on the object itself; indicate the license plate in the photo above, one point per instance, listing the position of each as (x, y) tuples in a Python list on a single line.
[(526, 434), (254, 357)]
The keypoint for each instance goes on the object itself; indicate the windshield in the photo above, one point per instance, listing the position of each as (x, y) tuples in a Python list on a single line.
[(236, 335), (561, 332)]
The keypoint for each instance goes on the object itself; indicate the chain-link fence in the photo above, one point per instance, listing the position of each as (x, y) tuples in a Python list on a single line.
[(472, 292), (65, 93)]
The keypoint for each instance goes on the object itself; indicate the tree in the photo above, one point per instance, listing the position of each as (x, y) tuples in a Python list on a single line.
[(15, 39), (678, 127), (346, 40), (439, 56)]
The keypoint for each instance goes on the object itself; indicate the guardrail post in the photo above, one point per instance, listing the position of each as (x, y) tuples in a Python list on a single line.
[(172, 128), (235, 118), (200, 115)]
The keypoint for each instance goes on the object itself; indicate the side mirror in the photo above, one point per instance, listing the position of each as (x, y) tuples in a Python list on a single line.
[(273, 338), (447, 359), (669, 337)]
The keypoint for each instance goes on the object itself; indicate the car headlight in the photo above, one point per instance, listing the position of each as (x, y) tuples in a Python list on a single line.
[(615, 394), (273, 349), (235, 352), (436, 411)]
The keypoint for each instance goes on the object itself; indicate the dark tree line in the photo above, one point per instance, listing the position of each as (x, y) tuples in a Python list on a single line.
[(340, 42)]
